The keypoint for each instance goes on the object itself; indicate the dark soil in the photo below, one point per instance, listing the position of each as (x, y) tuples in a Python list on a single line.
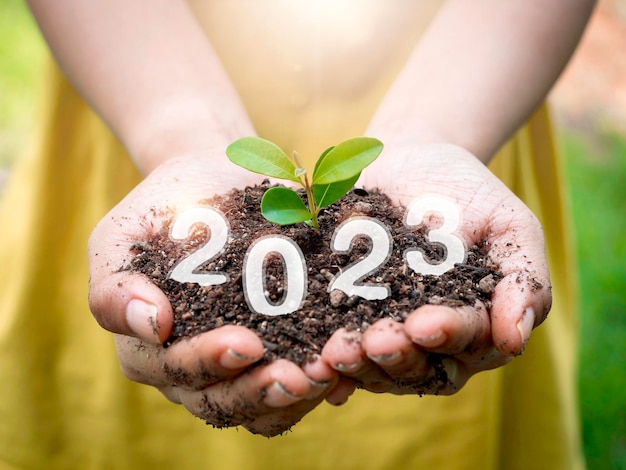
[(300, 335)]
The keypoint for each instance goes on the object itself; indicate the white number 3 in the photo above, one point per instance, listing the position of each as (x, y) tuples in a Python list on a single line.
[(455, 249)]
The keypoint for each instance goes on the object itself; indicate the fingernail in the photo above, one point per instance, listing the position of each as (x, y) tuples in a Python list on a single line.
[(277, 396), (386, 359), (525, 326), (341, 367), (142, 320), (319, 375), (231, 359), (318, 383), (432, 341), (317, 388)]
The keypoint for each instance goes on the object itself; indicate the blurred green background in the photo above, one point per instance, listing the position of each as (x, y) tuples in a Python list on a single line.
[(21, 55), (596, 171)]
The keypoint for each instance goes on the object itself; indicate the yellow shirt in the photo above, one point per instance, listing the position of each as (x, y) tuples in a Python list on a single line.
[(64, 404)]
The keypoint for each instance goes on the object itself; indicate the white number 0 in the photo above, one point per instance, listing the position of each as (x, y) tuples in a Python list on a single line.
[(294, 270), (455, 249)]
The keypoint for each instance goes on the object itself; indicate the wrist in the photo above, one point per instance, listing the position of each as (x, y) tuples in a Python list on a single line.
[(407, 133), (184, 133), (197, 176)]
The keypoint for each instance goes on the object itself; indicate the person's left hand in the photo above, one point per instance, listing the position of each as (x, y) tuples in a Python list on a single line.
[(438, 348)]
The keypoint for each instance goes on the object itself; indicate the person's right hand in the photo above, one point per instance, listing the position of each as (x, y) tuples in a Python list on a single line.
[(213, 374)]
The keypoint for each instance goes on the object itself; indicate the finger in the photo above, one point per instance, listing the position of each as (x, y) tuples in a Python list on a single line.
[(520, 303), (340, 394), (140, 361), (388, 346), (192, 363), (131, 305), (321, 376), (344, 353), (209, 357), (451, 331)]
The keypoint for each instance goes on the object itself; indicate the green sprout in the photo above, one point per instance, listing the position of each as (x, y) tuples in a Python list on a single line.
[(335, 173)]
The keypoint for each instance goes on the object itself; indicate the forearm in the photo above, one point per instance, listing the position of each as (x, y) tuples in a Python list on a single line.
[(149, 71), (480, 71)]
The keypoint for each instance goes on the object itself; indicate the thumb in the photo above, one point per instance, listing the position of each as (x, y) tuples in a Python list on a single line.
[(520, 303), (122, 301), (522, 299), (129, 303)]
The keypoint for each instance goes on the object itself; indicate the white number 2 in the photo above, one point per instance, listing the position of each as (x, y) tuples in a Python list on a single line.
[(455, 249), (347, 279), (218, 228)]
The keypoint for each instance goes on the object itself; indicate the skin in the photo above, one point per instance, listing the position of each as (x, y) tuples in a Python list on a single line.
[(439, 128)]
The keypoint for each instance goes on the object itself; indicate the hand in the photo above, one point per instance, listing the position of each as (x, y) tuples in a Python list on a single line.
[(439, 348), (214, 374)]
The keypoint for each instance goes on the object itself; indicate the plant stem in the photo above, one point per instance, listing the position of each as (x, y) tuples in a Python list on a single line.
[(312, 207), (309, 192)]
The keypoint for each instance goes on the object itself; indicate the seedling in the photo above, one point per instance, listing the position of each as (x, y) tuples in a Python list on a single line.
[(335, 173)]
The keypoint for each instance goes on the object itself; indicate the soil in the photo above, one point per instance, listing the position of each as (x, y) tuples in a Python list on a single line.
[(300, 335)]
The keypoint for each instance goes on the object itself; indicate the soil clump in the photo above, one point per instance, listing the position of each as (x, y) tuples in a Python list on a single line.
[(300, 335)]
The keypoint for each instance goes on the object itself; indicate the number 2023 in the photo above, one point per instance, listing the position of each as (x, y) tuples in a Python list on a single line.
[(347, 280)]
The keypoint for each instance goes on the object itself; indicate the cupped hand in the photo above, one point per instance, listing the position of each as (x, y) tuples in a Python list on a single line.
[(214, 375), (438, 348)]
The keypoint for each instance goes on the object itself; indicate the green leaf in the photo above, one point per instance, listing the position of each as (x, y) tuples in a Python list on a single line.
[(321, 157), (262, 156), (347, 159), (326, 194), (283, 206)]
